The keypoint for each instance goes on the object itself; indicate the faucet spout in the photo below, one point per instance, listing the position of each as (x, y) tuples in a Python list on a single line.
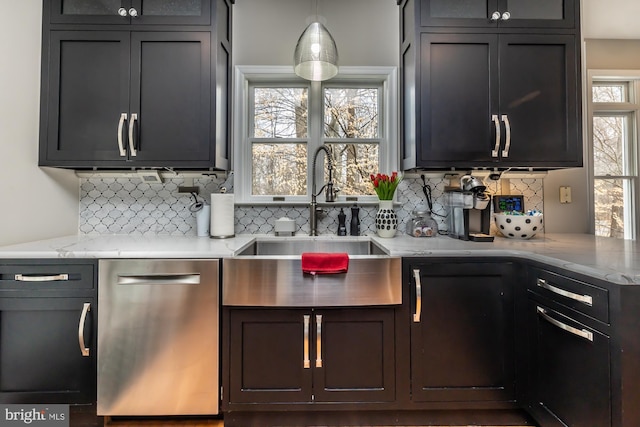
[(330, 193)]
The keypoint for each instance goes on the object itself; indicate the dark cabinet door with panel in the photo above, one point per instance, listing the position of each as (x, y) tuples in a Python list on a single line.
[(88, 91), (462, 331), (48, 332), (135, 12), (311, 355), (498, 13)]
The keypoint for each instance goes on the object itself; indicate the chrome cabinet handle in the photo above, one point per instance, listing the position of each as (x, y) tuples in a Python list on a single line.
[(507, 144), (506, 16), (122, 11), (159, 279), (418, 313), (585, 299), (318, 340), (133, 12), (84, 350), (496, 122), (495, 16), (52, 278), (123, 118), (306, 364), (132, 145), (583, 333)]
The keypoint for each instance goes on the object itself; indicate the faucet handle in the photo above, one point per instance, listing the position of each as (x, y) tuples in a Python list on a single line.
[(331, 193)]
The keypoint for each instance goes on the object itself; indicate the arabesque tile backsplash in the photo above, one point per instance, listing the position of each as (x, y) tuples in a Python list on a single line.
[(129, 206)]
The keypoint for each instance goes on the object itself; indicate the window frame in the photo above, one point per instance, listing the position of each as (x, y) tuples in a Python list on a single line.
[(246, 77), (629, 108)]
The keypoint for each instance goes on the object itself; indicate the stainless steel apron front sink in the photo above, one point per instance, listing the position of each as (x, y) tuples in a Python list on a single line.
[(276, 280)]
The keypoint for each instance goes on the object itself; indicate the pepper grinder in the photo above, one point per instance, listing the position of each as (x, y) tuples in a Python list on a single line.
[(355, 221), (342, 227)]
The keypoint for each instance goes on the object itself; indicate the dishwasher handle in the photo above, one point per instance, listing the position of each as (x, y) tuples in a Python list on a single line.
[(159, 279)]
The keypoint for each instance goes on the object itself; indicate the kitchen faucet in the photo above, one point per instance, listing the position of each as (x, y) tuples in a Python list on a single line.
[(330, 192)]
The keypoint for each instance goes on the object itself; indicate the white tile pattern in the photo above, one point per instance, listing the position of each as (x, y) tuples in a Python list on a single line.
[(129, 206)]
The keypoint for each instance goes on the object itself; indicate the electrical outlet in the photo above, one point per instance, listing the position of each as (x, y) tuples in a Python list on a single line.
[(565, 194)]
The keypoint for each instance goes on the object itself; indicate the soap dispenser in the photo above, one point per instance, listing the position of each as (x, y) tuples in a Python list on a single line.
[(355, 221), (342, 227)]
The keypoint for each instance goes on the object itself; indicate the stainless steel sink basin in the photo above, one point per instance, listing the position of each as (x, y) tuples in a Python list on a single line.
[(268, 273), (297, 246)]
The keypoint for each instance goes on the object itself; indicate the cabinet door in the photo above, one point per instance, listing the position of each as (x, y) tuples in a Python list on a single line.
[(171, 96), (540, 13), (184, 12), (498, 13), (570, 378), (539, 94), (270, 356), (136, 12), (458, 13), (462, 332), (354, 355), (40, 356), (88, 91), (90, 11), (458, 97)]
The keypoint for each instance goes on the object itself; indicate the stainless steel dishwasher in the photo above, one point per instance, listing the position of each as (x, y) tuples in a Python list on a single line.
[(158, 328)]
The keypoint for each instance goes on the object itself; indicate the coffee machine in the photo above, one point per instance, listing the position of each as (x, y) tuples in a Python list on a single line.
[(469, 210)]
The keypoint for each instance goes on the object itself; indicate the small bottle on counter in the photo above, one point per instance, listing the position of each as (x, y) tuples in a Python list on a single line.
[(355, 221), (342, 226)]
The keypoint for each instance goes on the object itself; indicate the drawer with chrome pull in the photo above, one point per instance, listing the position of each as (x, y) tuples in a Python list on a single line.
[(46, 275), (586, 298)]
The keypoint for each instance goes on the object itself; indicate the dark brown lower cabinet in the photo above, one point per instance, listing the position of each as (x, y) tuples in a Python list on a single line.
[(311, 355), (48, 320), (570, 383), (462, 330)]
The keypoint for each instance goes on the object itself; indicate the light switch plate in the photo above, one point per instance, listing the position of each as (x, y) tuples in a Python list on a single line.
[(565, 194)]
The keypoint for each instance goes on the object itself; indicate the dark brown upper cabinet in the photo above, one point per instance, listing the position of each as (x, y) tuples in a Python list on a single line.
[(499, 95), (127, 96)]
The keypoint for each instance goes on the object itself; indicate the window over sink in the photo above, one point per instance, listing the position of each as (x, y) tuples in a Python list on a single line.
[(281, 120)]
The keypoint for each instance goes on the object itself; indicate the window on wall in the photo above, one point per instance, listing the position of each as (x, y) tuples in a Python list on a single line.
[(282, 120), (615, 103)]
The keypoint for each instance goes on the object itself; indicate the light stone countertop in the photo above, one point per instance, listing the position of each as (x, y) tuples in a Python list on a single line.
[(613, 260)]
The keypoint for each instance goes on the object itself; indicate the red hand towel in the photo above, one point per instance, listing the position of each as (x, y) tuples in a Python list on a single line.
[(325, 263)]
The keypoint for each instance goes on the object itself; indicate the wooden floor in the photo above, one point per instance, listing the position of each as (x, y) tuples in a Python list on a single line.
[(85, 417), (205, 423)]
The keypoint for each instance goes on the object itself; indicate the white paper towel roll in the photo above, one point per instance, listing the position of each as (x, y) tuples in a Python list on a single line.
[(222, 215)]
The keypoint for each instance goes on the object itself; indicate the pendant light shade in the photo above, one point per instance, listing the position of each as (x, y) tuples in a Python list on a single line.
[(316, 54)]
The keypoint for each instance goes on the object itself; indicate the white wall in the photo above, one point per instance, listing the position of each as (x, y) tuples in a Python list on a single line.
[(34, 203), (610, 19), (266, 32)]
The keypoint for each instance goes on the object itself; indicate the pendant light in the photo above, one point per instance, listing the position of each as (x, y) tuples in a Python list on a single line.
[(316, 54)]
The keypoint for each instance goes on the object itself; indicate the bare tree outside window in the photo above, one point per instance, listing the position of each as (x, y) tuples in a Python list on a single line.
[(280, 135), (279, 149), (611, 162), (352, 114)]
